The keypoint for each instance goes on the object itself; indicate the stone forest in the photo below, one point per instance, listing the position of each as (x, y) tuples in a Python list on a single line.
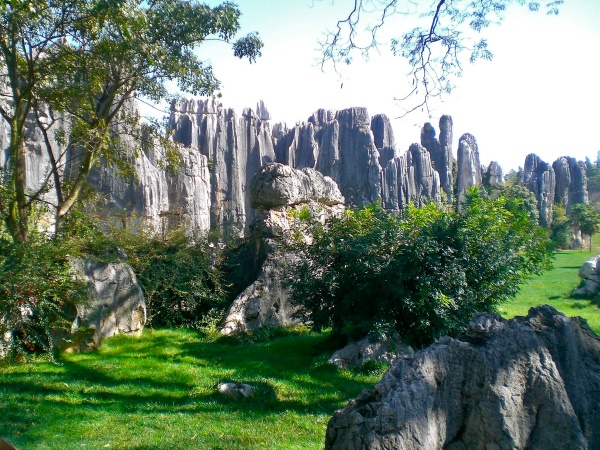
[(215, 279), (529, 382)]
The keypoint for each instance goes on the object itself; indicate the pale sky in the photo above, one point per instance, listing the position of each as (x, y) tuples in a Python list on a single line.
[(540, 94)]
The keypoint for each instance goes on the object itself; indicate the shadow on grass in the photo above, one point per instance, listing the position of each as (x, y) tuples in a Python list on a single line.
[(173, 373)]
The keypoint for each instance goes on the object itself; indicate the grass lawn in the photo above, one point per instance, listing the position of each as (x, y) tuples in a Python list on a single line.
[(554, 288), (159, 391)]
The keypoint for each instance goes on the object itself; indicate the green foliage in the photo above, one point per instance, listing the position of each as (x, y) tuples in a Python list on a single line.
[(180, 276), (560, 230), (516, 196), (586, 219), (39, 294), (424, 273)]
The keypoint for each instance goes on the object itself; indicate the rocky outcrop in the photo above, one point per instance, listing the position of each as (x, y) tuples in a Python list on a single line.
[(531, 382), (385, 350), (383, 136), (469, 168), (538, 177), (280, 194), (232, 149), (493, 174), (590, 278), (410, 178), (441, 152), (116, 304), (571, 182)]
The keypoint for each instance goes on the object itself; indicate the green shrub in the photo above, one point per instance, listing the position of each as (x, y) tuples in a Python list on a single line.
[(38, 293), (424, 273), (179, 274)]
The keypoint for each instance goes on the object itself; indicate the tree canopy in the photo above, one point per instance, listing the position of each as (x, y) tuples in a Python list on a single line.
[(448, 33), (87, 59), (423, 273)]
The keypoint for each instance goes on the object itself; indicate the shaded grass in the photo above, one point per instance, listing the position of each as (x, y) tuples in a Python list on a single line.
[(554, 288), (159, 391)]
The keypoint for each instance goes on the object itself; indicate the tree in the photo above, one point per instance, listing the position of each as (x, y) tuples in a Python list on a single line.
[(433, 50), (87, 59), (586, 219), (423, 273)]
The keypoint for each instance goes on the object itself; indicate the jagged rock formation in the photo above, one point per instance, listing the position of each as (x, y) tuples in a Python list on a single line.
[(571, 182), (531, 382), (383, 136), (469, 168), (410, 177), (278, 193), (234, 150), (538, 177), (494, 174), (441, 152)]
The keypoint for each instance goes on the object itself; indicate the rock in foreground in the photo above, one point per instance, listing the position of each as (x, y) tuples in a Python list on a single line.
[(530, 382)]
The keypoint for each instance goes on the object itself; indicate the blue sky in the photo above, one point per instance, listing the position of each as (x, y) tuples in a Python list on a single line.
[(540, 94)]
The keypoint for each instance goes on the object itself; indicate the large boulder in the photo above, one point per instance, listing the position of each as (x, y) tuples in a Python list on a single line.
[(590, 278), (280, 195), (530, 382), (116, 304)]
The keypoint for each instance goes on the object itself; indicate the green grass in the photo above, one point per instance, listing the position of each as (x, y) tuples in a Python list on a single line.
[(159, 391), (554, 288)]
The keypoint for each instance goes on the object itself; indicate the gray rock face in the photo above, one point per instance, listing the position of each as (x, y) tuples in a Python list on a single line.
[(590, 278), (531, 382), (571, 182), (538, 177), (410, 177), (117, 304), (232, 149), (383, 136), (279, 193), (469, 168), (441, 152), (494, 174), (279, 185), (384, 350)]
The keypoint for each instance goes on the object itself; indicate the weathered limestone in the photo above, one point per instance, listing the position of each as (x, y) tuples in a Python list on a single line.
[(538, 177), (383, 136), (571, 182), (116, 305), (278, 193), (441, 152), (590, 278), (494, 174), (386, 349), (410, 177), (531, 382), (469, 168)]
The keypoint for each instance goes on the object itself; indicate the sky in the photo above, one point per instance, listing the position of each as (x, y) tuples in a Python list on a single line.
[(540, 93)]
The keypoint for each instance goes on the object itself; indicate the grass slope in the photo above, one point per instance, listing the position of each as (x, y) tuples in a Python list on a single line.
[(159, 391)]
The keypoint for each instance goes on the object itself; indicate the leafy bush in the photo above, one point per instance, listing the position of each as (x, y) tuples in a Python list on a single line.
[(38, 293), (423, 273), (179, 274)]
